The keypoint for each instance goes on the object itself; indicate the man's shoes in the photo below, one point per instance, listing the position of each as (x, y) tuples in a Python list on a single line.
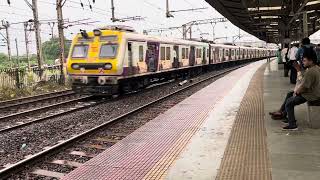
[(290, 128), (275, 113), (277, 117)]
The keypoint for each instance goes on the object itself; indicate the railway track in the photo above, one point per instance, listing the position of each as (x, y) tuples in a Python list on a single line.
[(19, 116), (98, 138), (49, 116), (32, 99)]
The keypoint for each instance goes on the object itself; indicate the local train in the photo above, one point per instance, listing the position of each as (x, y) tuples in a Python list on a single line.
[(108, 60)]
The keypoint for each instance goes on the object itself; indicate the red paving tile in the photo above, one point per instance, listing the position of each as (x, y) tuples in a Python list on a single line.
[(149, 151)]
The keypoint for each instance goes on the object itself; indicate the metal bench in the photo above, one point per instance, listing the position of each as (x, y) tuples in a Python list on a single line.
[(313, 114)]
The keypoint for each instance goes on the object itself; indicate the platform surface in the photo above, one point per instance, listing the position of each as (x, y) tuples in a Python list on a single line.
[(222, 132)]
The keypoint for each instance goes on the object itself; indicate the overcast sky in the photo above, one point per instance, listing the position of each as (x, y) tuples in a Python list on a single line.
[(152, 10)]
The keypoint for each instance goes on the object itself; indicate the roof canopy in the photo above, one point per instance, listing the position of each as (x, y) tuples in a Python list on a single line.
[(272, 20)]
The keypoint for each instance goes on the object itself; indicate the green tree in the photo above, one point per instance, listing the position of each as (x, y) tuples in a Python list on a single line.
[(51, 49), (4, 60), (3, 57)]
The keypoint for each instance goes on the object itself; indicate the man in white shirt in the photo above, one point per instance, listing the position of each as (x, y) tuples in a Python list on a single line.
[(284, 53), (292, 58)]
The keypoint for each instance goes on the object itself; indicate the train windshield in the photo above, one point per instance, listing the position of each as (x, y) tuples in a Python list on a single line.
[(80, 51), (108, 51)]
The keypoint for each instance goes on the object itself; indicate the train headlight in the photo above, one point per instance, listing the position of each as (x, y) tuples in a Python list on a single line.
[(108, 66), (75, 66), (97, 32), (102, 80)]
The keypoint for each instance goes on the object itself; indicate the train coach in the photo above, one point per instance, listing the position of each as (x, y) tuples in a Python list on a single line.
[(109, 60)]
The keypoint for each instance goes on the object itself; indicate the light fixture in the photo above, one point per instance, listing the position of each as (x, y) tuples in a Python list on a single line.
[(97, 32)]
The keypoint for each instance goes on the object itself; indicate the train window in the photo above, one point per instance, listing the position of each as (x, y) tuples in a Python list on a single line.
[(200, 53), (232, 52), (207, 52), (108, 50), (141, 53), (227, 52), (80, 51), (163, 53), (109, 38), (183, 53), (237, 52), (168, 53), (187, 53)]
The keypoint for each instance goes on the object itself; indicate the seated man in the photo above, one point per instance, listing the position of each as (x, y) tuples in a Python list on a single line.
[(307, 90)]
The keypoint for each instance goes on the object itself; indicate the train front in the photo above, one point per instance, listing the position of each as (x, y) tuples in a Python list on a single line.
[(94, 62)]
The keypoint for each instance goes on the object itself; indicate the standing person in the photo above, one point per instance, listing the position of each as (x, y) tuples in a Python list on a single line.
[(318, 52), (292, 57), (268, 56), (284, 53), (305, 44), (279, 56), (308, 90)]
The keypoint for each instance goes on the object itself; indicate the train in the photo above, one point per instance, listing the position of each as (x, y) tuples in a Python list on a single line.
[(115, 59)]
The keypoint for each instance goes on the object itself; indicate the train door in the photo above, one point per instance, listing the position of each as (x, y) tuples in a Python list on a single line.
[(216, 55), (211, 53), (130, 59), (204, 60), (192, 58), (176, 57), (152, 56), (223, 57)]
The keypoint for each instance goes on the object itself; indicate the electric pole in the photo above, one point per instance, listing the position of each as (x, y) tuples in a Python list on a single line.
[(5, 25), (26, 42), (51, 24), (168, 14), (61, 38), (17, 49), (113, 19), (17, 66), (34, 8)]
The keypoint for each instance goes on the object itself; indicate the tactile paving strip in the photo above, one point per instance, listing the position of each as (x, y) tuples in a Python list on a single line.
[(246, 155)]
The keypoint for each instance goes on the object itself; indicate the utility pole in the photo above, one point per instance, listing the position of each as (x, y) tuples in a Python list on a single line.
[(34, 8), (17, 66), (188, 26), (37, 33), (113, 19), (60, 4), (51, 24), (168, 11), (168, 14), (17, 49), (26, 41), (6, 25)]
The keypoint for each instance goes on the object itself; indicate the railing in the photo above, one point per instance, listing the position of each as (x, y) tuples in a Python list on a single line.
[(23, 77)]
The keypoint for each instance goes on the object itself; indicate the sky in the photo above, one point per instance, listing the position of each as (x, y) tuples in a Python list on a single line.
[(152, 10)]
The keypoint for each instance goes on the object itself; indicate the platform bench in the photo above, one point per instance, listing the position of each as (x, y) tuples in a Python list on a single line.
[(313, 114)]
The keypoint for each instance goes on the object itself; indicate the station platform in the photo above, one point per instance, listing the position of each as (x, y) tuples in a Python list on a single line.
[(222, 132)]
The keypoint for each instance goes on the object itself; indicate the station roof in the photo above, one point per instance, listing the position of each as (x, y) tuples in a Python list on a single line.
[(271, 20)]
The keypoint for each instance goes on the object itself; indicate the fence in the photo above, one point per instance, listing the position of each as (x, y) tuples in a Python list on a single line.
[(20, 78)]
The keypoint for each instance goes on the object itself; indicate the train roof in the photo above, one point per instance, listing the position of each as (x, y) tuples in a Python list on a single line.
[(129, 34)]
